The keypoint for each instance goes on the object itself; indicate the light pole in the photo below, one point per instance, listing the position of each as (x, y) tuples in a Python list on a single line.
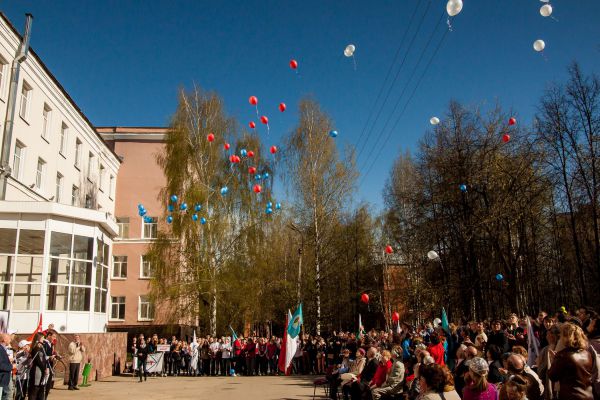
[(300, 250)]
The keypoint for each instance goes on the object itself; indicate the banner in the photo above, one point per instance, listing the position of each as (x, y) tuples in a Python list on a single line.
[(161, 348), (154, 363)]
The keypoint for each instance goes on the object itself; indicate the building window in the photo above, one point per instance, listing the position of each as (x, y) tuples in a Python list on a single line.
[(78, 153), (80, 298), (145, 308), (39, 174), (117, 307), (150, 228), (26, 92), (90, 166), (123, 224), (19, 160), (111, 187), (46, 121), (75, 196), (3, 65), (119, 267), (88, 201), (26, 297), (64, 135), (59, 183), (101, 178), (146, 270)]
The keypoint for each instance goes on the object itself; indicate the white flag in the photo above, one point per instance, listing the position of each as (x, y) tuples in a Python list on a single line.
[(291, 346), (533, 345)]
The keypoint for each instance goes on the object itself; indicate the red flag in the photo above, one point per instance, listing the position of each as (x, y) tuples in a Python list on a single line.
[(38, 329), (281, 363)]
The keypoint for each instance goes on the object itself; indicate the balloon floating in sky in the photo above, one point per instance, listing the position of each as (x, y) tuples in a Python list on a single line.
[(454, 7), (148, 220), (252, 125), (169, 219), (224, 190), (170, 208), (197, 207), (395, 316), (195, 217), (251, 170), (243, 152), (258, 177), (333, 134), (266, 175), (282, 107), (389, 249), (278, 206), (506, 138), (183, 206), (268, 210), (539, 45), (264, 119), (293, 64), (253, 100), (499, 277), (250, 154), (546, 10), (434, 121), (349, 50), (257, 188), (364, 298), (512, 121), (174, 198), (269, 205), (203, 220), (226, 146), (273, 149), (463, 188), (210, 137)]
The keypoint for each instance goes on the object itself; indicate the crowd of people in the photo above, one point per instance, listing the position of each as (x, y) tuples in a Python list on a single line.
[(476, 360), (27, 367)]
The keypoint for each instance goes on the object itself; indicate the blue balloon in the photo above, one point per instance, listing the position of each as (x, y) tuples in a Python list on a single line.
[(148, 220), (258, 177), (278, 206), (169, 219), (333, 134), (171, 208), (140, 206), (463, 188), (195, 217), (142, 213), (183, 206), (203, 220), (174, 198), (232, 371), (499, 277), (197, 207), (269, 205), (243, 152), (266, 175), (268, 210), (224, 190)]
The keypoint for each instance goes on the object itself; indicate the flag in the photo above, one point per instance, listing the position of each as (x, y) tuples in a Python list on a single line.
[(295, 323), (398, 329), (233, 335), (361, 328), (445, 325), (291, 344), (282, 352), (38, 329), (532, 345), (194, 347)]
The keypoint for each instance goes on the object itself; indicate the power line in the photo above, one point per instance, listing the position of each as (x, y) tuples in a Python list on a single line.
[(362, 136), (408, 82), (406, 105)]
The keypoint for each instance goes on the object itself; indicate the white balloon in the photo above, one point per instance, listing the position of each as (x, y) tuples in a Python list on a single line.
[(349, 50), (434, 121), (546, 10), (454, 7), (433, 255), (545, 1), (539, 45)]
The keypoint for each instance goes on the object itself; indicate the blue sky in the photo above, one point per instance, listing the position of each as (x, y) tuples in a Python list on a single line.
[(123, 61)]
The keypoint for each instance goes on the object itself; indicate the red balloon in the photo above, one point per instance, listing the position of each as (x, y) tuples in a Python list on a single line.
[(364, 298), (253, 100), (257, 189), (506, 138), (395, 316), (250, 153), (389, 249), (252, 125), (226, 146), (264, 120), (232, 158), (282, 107), (512, 121), (252, 170), (293, 64), (273, 149), (237, 159), (210, 137)]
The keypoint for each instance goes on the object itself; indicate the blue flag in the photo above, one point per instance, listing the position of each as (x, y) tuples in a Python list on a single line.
[(233, 335), (295, 323), (445, 325)]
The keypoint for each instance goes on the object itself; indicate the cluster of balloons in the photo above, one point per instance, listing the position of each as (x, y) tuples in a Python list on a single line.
[(183, 207), (545, 11), (269, 208), (506, 137)]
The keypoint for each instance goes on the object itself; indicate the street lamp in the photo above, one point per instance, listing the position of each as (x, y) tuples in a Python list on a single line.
[(299, 232)]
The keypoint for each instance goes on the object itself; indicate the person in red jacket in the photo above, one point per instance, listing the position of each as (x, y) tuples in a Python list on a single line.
[(381, 374), (436, 350)]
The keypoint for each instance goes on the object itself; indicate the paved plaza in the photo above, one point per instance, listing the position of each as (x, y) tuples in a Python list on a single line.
[(214, 388)]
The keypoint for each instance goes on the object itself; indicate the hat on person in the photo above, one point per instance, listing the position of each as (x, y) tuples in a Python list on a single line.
[(24, 343), (11, 331), (479, 366), (362, 351)]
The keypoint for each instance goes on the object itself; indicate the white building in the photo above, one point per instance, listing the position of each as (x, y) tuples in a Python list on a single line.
[(57, 219)]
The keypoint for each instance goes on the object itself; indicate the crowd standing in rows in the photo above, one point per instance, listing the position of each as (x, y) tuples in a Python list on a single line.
[(474, 360)]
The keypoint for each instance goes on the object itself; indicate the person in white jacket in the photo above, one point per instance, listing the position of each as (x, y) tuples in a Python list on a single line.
[(76, 351)]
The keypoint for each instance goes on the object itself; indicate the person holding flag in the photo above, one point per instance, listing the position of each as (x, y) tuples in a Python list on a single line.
[(291, 338)]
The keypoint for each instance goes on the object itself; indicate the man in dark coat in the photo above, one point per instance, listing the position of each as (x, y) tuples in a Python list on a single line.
[(5, 366)]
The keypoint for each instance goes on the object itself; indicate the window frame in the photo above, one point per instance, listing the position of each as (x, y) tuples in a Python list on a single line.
[(142, 262), (124, 261), (46, 122), (25, 95), (155, 230), (150, 308), (119, 305), (58, 187), (19, 171), (78, 153), (123, 223), (75, 196), (64, 139), (40, 174)]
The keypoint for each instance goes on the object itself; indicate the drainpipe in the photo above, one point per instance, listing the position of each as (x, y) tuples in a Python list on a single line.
[(11, 106)]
